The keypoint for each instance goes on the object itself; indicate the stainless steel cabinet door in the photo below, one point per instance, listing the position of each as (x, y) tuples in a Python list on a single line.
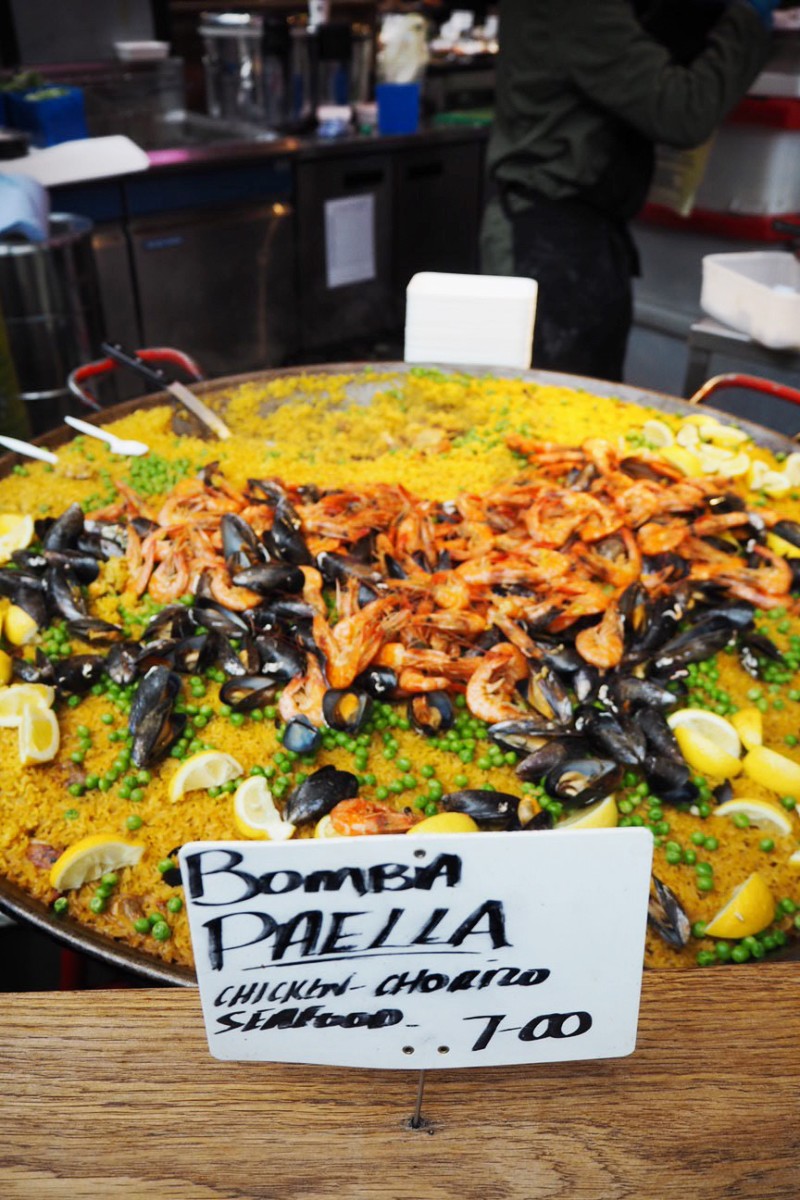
[(219, 284)]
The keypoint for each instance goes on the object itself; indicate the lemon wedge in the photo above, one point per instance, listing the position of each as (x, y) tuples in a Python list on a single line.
[(207, 769), (760, 813), (749, 726), (708, 742), (90, 858), (794, 860), (603, 815), (774, 771), (722, 435), (734, 466), (6, 668), (446, 822), (687, 436), (779, 545), (19, 696), (792, 469), (657, 433), (324, 828), (19, 626), (684, 460), (749, 910), (255, 814), (39, 736), (16, 532)]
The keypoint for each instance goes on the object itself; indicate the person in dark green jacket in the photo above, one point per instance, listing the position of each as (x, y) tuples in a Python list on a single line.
[(585, 90)]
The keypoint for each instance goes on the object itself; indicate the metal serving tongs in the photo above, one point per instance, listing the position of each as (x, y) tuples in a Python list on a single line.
[(141, 361)]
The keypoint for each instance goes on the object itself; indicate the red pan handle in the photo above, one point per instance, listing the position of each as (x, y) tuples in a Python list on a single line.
[(752, 383), (103, 366)]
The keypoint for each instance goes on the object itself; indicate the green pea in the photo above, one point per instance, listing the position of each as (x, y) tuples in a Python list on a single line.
[(740, 954), (705, 883), (134, 822), (104, 891), (174, 904), (165, 864), (97, 904), (141, 925), (431, 809), (61, 905), (767, 845), (161, 931)]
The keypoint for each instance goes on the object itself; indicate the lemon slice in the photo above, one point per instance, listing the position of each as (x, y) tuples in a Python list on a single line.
[(16, 532), (711, 725), (255, 814), (38, 734), (657, 433), (19, 696), (207, 769), (760, 813), (324, 828), (749, 726), (779, 545), (90, 858), (687, 436), (775, 771), (722, 435), (713, 457), (6, 668), (749, 910), (603, 815), (684, 460), (794, 860), (19, 626), (708, 742), (446, 822), (735, 466), (792, 469)]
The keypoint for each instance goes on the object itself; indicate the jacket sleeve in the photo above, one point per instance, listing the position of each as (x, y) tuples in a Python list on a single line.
[(610, 59)]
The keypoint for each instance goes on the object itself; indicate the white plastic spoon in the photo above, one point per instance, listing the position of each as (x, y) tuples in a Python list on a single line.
[(28, 450), (115, 444)]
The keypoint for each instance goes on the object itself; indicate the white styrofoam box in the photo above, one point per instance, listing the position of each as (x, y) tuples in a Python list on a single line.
[(752, 169), (757, 292), (477, 320)]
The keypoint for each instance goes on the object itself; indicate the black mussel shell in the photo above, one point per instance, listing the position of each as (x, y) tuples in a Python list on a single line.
[(240, 546), (630, 690), (246, 692), (38, 671), (64, 594), (669, 779), (281, 658), (736, 615), (144, 526), (267, 578), (122, 662), (547, 695), (625, 745), (160, 653), (789, 531), (83, 567), (320, 793), (665, 914), (690, 647), (492, 808), (585, 683), (431, 713), (549, 755), (723, 792), (286, 610), (152, 722), (208, 615), (525, 735), (543, 820), (378, 682), (346, 709), (285, 539), (339, 568), (581, 781), (101, 545), (12, 582), (78, 673), (193, 654), (174, 621), (95, 631), (63, 534), (564, 660), (301, 736), (660, 737), (266, 491)]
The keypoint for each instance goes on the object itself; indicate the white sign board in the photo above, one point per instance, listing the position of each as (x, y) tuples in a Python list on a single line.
[(459, 950), (350, 240)]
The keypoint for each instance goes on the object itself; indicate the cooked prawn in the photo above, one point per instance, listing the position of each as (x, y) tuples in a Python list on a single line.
[(491, 690), (359, 817)]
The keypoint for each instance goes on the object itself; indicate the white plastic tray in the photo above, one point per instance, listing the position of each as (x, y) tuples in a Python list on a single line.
[(756, 292)]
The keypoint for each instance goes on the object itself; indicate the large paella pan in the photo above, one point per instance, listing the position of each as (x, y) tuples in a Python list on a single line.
[(399, 596)]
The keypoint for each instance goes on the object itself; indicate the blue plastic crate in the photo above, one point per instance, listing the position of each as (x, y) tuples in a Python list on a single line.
[(49, 118)]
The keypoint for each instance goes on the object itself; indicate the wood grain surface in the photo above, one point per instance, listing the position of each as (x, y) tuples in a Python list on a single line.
[(111, 1094)]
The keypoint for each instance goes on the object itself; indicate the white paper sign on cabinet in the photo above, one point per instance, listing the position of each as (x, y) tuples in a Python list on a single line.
[(458, 950)]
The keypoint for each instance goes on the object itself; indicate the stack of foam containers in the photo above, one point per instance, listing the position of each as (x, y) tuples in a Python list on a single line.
[(470, 320)]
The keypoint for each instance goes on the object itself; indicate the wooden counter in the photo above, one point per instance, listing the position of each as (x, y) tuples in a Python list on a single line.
[(114, 1094)]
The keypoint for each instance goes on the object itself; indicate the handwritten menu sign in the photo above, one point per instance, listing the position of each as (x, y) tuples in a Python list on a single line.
[(459, 950)]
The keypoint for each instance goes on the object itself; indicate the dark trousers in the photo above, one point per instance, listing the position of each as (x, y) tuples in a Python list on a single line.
[(583, 261)]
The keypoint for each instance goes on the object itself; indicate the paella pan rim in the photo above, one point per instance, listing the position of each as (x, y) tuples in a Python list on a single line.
[(19, 904)]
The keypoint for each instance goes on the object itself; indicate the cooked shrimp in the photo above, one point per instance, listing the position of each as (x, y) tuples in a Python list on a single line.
[(303, 696), (352, 643), (360, 817), (491, 690), (602, 645)]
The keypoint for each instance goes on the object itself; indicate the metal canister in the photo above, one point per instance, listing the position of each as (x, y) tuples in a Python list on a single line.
[(50, 298), (234, 65)]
